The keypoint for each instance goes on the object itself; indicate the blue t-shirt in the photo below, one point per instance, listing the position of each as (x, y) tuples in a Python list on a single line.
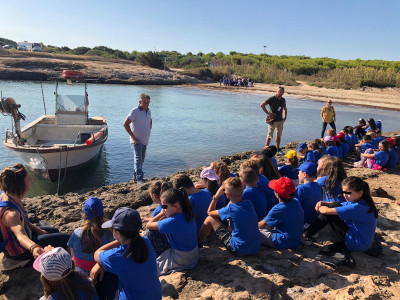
[(256, 196), (318, 154), (340, 151), (269, 193), (381, 158), (243, 221), (221, 200), (349, 142), (200, 202), (345, 149), (336, 191), (182, 235), (310, 157), (287, 219), (81, 294), (288, 172), (374, 144), (397, 148), (135, 281), (274, 162), (393, 158), (366, 146), (362, 225), (308, 195), (332, 151), (354, 139), (74, 242), (156, 211)]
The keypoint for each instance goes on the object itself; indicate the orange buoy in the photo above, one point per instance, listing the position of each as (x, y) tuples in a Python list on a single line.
[(95, 137)]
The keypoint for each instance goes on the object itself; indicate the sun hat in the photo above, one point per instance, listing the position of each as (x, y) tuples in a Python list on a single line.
[(290, 154), (209, 174), (284, 187), (308, 167), (328, 138), (54, 264), (93, 207), (301, 146), (126, 219)]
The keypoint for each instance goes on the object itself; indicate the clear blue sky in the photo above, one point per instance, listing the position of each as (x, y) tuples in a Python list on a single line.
[(345, 29)]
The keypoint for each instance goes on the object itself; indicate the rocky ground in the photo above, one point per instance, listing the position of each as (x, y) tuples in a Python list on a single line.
[(271, 274)]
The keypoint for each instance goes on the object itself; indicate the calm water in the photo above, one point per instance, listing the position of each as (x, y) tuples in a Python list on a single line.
[(191, 127)]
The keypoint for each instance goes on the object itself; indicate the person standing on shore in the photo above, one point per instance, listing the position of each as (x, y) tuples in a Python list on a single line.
[(328, 117), (277, 105), (138, 125)]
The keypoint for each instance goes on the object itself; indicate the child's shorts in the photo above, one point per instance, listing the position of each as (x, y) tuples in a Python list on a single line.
[(224, 235)]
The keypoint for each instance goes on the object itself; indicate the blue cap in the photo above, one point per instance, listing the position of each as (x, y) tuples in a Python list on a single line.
[(125, 219), (301, 147), (309, 168), (93, 208)]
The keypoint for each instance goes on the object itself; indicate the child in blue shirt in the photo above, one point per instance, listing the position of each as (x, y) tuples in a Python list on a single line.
[(308, 192), (253, 192), (331, 173), (282, 228), (331, 149), (377, 160), (271, 152), (244, 237), (305, 155), (290, 170), (210, 182), (317, 149), (131, 257), (393, 156), (200, 199), (353, 222), (177, 222)]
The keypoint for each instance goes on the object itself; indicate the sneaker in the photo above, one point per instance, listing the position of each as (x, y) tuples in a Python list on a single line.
[(141, 182), (337, 259), (8, 264), (280, 151), (306, 242)]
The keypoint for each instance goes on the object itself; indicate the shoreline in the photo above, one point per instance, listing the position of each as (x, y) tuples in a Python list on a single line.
[(387, 99)]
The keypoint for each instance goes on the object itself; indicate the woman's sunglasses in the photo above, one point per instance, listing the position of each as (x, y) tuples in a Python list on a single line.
[(346, 192), (164, 206)]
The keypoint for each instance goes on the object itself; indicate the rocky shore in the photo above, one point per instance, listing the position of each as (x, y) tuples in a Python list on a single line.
[(271, 274)]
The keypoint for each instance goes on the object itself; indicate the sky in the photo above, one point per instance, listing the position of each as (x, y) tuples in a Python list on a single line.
[(343, 29)]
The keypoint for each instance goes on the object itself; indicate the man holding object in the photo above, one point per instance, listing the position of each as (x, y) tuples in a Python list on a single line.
[(138, 125), (277, 105)]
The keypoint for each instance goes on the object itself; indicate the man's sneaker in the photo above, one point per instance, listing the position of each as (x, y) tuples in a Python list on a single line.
[(8, 264), (280, 151), (141, 182)]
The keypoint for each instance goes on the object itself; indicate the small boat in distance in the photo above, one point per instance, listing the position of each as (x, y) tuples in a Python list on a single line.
[(71, 74), (53, 145)]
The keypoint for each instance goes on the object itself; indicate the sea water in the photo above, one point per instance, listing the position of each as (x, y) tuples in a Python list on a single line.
[(191, 127)]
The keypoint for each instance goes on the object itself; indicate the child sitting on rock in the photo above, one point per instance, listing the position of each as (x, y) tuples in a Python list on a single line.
[(290, 170), (305, 155), (331, 174), (377, 160), (253, 192), (282, 228), (393, 156), (244, 237)]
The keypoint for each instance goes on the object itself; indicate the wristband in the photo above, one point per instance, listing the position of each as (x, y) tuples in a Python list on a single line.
[(33, 247)]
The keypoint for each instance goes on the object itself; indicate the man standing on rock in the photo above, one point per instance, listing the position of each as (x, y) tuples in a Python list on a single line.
[(138, 125), (277, 105)]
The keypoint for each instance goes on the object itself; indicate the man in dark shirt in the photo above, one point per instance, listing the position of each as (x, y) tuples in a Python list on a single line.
[(277, 106)]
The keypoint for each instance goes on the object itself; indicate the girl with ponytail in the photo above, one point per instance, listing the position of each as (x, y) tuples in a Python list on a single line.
[(176, 221), (353, 221), (130, 257)]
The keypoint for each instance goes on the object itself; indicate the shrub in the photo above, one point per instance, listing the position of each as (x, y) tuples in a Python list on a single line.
[(151, 59)]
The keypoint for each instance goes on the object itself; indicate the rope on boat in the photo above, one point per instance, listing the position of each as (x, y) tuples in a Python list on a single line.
[(59, 168)]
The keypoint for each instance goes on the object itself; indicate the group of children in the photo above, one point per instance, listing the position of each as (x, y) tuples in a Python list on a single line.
[(264, 204)]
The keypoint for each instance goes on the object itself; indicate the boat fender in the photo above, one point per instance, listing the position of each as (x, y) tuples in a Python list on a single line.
[(96, 136)]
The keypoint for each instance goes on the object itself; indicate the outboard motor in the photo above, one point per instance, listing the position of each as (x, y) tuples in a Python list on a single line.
[(8, 107)]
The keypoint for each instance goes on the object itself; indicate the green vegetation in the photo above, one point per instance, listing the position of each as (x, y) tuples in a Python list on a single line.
[(283, 69)]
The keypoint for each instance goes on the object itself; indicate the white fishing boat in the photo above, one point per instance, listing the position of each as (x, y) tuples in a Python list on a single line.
[(53, 145)]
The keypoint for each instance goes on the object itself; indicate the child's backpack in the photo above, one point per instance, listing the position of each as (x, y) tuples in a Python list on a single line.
[(3, 244)]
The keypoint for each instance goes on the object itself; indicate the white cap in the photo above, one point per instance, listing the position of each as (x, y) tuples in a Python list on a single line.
[(54, 264)]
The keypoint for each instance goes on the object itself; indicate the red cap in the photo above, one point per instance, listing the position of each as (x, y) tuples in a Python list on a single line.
[(340, 135), (284, 187), (391, 141)]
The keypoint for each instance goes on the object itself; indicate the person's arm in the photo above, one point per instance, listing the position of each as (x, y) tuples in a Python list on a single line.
[(284, 113), (97, 272), (129, 131), (327, 210), (37, 230), (111, 245), (153, 223), (263, 106), (212, 209), (367, 155), (334, 115), (262, 224), (11, 219)]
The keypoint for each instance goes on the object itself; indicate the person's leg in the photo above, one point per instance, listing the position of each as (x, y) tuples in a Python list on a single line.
[(332, 124), (324, 124), (209, 225), (279, 130), (137, 162), (107, 288), (49, 229), (144, 148), (270, 134), (158, 240), (266, 237), (54, 239)]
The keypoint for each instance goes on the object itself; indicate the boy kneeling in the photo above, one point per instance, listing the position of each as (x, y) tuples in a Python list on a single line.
[(245, 237)]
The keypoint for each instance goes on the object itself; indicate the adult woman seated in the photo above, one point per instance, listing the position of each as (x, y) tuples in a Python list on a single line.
[(25, 241)]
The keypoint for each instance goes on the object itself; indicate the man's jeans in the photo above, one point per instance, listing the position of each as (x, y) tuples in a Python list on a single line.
[(139, 153)]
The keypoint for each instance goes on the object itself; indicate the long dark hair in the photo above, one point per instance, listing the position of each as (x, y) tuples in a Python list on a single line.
[(173, 195), (91, 234), (157, 187), (69, 287), (137, 248), (211, 185), (372, 124), (222, 171), (12, 180), (357, 184), (267, 168), (334, 170)]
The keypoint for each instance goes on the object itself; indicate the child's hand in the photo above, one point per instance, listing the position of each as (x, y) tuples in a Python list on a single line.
[(97, 273), (145, 220)]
